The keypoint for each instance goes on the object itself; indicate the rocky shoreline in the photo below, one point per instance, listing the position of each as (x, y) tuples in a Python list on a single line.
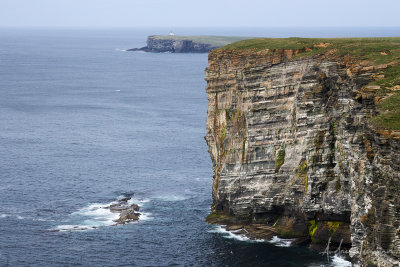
[(259, 231)]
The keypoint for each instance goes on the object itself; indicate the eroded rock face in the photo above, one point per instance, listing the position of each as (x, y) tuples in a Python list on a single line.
[(177, 46), (291, 148)]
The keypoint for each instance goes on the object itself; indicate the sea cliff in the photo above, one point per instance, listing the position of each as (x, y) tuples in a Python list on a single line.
[(304, 139), (185, 44)]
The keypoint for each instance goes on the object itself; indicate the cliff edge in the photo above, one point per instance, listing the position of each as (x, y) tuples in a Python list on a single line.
[(304, 137)]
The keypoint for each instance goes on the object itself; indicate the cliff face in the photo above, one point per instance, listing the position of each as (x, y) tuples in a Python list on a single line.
[(292, 149), (174, 45), (177, 46), (186, 44)]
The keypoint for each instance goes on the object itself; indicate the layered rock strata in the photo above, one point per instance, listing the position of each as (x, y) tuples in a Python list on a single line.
[(292, 149)]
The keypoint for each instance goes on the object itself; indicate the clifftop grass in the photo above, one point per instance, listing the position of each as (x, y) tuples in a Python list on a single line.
[(376, 50), (371, 51)]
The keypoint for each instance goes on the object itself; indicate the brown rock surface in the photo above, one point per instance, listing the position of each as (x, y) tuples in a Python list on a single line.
[(291, 145), (127, 212)]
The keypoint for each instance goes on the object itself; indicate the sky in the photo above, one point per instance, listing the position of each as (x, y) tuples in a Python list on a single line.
[(204, 13)]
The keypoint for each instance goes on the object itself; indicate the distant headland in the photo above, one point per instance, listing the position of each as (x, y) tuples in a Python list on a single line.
[(185, 44)]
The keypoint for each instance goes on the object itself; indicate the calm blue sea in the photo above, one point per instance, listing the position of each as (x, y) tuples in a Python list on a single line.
[(83, 123)]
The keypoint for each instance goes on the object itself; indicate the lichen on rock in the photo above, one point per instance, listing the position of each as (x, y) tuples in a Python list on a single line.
[(303, 156)]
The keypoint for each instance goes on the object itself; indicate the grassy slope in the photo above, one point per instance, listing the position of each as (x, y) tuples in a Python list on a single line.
[(374, 50), (212, 40)]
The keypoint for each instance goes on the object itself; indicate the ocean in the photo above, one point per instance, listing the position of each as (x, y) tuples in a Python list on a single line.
[(84, 123)]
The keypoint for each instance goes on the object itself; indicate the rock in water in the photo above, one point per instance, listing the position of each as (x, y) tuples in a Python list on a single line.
[(127, 212), (135, 207)]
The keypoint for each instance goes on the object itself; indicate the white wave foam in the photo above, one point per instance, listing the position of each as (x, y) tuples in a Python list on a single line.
[(43, 220), (96, 215), (88, 218), (139, 201), (18, 217), (68, 227), (220, 229), (145, 216), (172, 198), (334, 261), (280, 242), (340, 262)]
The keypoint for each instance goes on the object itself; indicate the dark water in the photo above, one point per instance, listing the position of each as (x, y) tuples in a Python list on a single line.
[(82, 124)]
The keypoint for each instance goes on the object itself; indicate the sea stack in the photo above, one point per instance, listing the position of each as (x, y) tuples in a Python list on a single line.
[(185, 44)]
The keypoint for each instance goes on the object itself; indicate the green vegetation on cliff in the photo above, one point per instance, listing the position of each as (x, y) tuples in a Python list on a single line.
[(378, 50), (389, 118), (384, 53)]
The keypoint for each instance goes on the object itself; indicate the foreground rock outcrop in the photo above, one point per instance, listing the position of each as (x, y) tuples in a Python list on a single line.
[(294, 154)]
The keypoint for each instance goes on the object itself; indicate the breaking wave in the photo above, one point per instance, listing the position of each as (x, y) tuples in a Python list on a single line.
[(334, 261), (280, 242), (338, 261), (96, 215), (221, 229)]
